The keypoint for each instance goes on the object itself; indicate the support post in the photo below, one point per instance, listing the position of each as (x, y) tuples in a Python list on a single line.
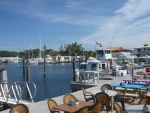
[(27, 71), (74, 70), (44, 68), (24, 67), (28, 75), (132, 72)]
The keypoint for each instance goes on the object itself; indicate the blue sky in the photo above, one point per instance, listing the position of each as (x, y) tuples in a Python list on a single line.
[(113, 23)]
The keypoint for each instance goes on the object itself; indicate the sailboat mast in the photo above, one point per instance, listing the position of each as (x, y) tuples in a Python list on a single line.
[(40, 47)]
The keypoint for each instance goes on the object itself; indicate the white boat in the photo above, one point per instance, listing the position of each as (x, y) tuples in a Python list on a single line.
[(48, 59), (40, 60), (33, 61)]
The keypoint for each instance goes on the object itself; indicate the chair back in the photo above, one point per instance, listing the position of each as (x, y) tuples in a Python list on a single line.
[(106, 86), (51, 103), (83, 110), (117, 107), (145, 100), (68, 97), (140, 95), (101, 97), (97, 107), (84, 92), (19, 108)]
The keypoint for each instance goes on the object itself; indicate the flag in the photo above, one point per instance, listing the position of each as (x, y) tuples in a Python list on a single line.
[(97, 43)]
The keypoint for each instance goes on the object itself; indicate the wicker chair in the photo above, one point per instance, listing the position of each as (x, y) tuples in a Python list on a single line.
[(117, 107), (102, 97), (122, 99), (97, 107), (19, 108), (140, 95), (68, 97), (145, 100), (87, 95), (51, 103), (83, 110), (106, 86)]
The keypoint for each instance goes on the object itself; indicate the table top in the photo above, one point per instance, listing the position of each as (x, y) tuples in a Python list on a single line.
[(137, 80), (133, 86), (72, 109), (110, 92), (136, 108)]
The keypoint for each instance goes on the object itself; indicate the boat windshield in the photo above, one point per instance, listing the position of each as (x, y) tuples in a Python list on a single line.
[(103, 51), (82, 66)]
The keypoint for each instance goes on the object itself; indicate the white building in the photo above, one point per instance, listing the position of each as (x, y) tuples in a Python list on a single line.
[(142, 51)]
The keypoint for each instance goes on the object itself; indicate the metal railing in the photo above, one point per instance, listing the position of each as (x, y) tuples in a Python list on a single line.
[(14, 92)]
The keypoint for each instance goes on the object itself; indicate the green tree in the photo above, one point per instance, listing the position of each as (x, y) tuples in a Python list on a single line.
[(145, 44), (74, 48)]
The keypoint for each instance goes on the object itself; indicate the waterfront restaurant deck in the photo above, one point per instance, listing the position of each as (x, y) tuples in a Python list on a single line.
[(42, 107)]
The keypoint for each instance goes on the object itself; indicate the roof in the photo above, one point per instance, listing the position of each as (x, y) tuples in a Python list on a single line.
[(116, 48), (142, 47)]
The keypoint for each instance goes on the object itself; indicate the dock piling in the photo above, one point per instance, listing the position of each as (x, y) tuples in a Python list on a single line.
[(74, 70)]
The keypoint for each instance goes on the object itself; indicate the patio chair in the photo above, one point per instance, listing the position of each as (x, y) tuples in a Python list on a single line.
[(118, 108), (83, 110), (102, 97), (19, 108), (106, 86), (145, 100), (87, 95), (140, 95), (121, 98), (68, 97), (51, 103), (97, 107)]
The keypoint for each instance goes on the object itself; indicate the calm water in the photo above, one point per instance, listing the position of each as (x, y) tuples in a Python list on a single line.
[(56, 83)]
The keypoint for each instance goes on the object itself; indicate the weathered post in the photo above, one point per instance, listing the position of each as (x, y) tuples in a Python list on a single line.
[(0, 69), (74, 70), (23, 67), (28, 75), (27, 71), (44, 68), (132, 72)]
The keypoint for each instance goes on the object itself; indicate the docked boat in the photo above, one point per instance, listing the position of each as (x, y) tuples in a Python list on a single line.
[(33, 61)]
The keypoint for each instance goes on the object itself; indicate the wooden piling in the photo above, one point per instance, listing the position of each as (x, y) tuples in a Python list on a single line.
[(27, 71), (24, 63), (74, 69), (44, 68), (0, 67)]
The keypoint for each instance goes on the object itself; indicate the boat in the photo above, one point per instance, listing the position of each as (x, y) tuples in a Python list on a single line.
[(101, 65), (33, 61)]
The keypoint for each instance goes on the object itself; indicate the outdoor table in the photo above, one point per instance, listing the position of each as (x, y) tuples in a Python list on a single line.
[(111, 94), (72, 109), (131, 86), (147, 81), (136, 108), (142, 76)]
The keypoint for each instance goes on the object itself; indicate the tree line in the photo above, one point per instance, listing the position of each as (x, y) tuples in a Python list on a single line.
[(73, 49)]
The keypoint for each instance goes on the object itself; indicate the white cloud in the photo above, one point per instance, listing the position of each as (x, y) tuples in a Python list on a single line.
[(135, 9)]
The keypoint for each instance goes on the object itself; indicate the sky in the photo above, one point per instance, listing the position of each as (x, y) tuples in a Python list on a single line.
[(113, 23)]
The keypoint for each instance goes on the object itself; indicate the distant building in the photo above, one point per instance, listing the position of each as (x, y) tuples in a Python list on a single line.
[(142, 51), (117, 51)]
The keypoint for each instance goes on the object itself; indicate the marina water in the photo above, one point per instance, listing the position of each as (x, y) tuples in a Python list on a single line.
[(56, 83)]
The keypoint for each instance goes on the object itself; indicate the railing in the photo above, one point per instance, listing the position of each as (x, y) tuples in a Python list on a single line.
[(94, 75), (14, 92)]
